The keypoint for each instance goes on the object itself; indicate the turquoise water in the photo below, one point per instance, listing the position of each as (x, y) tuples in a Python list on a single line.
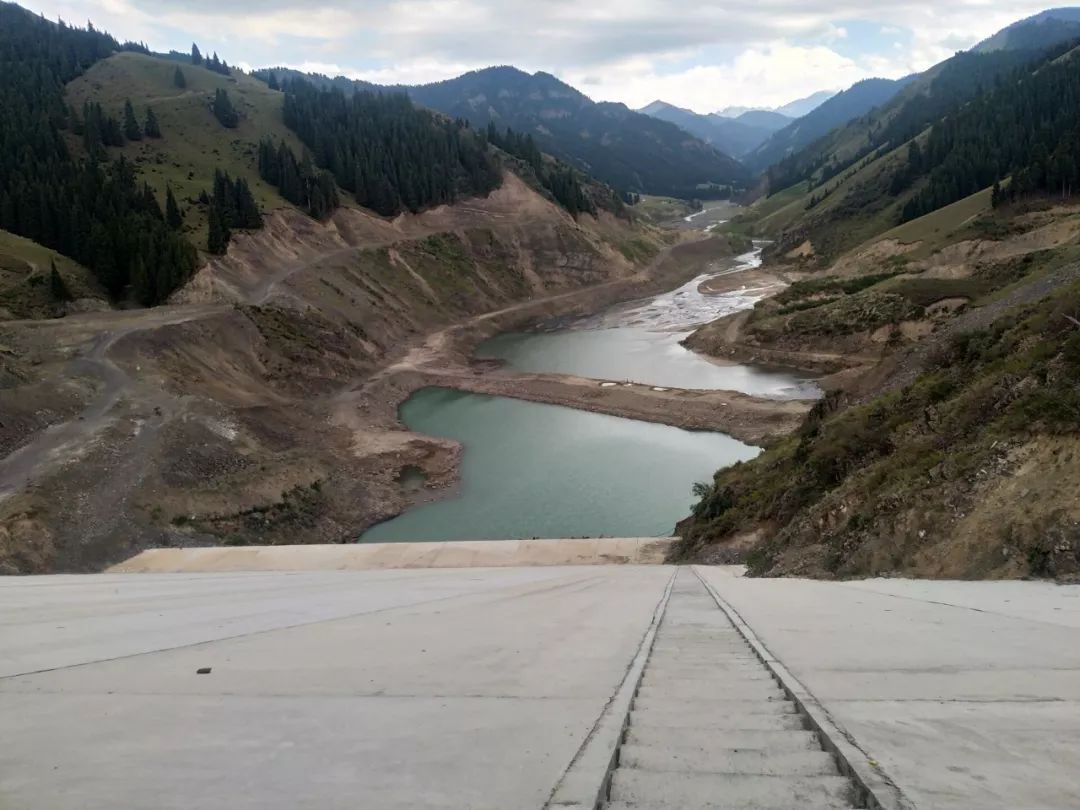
[(533, 470), (638, 355), (639, 342)]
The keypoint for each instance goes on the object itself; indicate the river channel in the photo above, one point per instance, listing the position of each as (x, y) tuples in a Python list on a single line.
[(535, 470)]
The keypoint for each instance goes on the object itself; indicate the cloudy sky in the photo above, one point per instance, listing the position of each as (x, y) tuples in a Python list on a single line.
[(704, 55)]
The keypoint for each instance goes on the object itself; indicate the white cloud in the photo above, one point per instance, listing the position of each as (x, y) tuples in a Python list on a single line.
[(635, 50), (419, 72), (768, 76)]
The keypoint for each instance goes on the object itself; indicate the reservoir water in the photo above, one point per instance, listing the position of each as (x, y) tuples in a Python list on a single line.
[(532, 470), (639, 342)]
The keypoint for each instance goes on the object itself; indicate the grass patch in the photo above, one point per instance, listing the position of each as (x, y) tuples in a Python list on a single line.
[(639, 250), (835, 317), (941, 227), (808, 288), (193, 142), (658, 210), (926, 291)]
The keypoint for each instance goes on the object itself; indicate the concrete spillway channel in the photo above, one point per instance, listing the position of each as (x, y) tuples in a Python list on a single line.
[(710, 727)]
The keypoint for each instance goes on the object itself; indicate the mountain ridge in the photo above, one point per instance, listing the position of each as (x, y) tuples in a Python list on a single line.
[(629, 150), (733, 136)]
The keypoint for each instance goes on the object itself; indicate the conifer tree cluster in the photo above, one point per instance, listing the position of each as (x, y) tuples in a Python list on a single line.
[(232, 207), (392, 156), (89, 210), (136, 47), (213, 63), (217, 65), (1026, 127), (957, 81), (98, 129), (563, 183), (179, 79), (300, 183), (223, 109)]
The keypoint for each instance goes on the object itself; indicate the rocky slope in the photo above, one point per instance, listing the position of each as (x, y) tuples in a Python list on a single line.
[(948, 444)]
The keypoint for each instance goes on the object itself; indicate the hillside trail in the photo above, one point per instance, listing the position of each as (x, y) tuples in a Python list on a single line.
[(68, 439), (265, 289), (63, 440)]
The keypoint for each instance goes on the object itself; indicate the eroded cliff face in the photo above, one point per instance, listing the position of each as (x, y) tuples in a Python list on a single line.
[(258, 406)]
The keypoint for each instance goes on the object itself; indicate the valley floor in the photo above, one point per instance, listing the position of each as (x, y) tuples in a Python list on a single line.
[(242, 414), (477, 688)]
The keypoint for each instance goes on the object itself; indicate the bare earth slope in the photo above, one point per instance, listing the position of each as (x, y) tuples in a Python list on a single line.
[(250, 410)]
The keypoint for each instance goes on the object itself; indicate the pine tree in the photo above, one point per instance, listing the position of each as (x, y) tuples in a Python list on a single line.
[(173, 218), (132, 130), (217, 241), (196, 55), (57, 286), (151, 127), (179, 79), (224, 111), (272, 82)]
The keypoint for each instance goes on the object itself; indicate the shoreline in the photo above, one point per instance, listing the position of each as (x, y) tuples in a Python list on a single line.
[(445, 359)]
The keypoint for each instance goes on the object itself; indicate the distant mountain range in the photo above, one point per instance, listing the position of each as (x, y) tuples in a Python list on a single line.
[(793, 109), (735, 136), (627, 149), (840, 108)]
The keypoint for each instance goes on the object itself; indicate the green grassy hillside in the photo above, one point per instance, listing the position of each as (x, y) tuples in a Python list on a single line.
[(25, 285), (193, 142)]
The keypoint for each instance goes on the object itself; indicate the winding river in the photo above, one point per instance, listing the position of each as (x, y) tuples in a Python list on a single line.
[(534, 470)]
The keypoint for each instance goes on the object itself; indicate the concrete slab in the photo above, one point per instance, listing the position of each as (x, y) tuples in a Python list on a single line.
[(967, 694), (476, 688), (388, 689), (379, 556)]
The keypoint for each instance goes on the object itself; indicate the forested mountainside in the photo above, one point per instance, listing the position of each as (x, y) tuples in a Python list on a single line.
[(1042, 30), (628, 150), (929, 98), (1024, 133), (973, 120), (854, 102), (95, 211), (130, 166), (390, 155), (937, 284)]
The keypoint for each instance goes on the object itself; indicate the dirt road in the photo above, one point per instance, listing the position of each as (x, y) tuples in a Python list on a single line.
[(64, 440)]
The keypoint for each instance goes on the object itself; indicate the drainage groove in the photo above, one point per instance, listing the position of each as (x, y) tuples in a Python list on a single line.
[(710, 727)]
